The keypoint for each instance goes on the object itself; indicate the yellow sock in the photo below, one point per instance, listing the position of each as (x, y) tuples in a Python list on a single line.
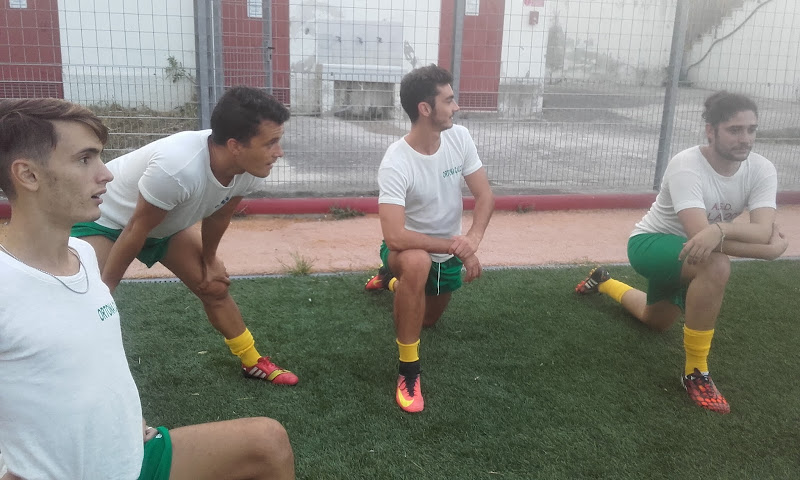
[(244, 347), (614, 289), (697, 345), (391, 284), (408, 353)]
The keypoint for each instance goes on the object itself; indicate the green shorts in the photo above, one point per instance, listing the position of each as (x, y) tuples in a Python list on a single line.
[(157, 460), (443, 277), (153, 251), (655, 257)]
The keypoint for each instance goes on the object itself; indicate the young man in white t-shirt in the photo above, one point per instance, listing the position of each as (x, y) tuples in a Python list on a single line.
[(682, 244), (420, 208), (69, 407), (165, 187)]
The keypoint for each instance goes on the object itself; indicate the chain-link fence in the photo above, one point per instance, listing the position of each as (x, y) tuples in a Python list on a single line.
[(560, 95)]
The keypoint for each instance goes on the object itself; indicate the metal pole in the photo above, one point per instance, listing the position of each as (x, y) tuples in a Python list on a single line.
[(202, 59), (266, 15), (671, 94), (219, 72), (459, 10)]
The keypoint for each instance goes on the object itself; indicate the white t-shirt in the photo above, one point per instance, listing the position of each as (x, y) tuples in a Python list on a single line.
[(68, 405), (691, 182), (429, 186), (174, 174)]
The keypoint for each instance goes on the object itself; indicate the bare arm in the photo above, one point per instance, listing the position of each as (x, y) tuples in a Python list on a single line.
[(211, 231), (467, 245), (756, 239), (757, 231), (398, 238), (214, 227), (770, 251), (145, 218)]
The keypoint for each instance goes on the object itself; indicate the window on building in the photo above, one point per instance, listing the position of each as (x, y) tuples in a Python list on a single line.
[(473, 7), (17, 3)]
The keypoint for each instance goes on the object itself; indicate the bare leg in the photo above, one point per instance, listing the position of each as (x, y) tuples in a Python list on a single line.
[(246, 448), (658, 316), (435, 306), (411, 268), (704, 296), (184, 259), (706, 291)]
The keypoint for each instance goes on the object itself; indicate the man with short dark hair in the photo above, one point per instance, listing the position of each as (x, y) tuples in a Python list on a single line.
[(165, 187), (682, 244), (69, 407), (420, 208)]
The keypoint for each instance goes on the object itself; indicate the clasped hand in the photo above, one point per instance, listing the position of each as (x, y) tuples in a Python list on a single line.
[(698, 248), (215, 276)]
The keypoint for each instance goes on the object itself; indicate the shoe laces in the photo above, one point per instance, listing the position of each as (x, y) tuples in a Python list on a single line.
[(266, 362), (701, 381), (411, 383)]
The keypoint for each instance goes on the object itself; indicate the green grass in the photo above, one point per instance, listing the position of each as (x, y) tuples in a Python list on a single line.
[(300, 265), (342, 213), (522, 378)]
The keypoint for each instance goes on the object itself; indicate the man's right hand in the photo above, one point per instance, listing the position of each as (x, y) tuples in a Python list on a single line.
[(778, 242), (474, 268)]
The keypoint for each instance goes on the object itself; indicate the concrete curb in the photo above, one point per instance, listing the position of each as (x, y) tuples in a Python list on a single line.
[(296, 206)]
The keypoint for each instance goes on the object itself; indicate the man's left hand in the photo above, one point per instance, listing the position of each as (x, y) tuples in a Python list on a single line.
[(214, 274), (148, 433), (464, 246)]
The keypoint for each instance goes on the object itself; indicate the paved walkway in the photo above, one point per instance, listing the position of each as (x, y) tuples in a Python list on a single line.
[(262, 244)]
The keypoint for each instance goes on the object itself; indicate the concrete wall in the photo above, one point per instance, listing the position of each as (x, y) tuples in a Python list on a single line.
[(760, 58), (116, 51), (614, 40), (372, 42), (523, 71)]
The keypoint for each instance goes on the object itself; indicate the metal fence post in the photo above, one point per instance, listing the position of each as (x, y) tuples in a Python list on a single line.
[(671, 94), (216, 27), (459, 10), (266, 15), (201, 22)]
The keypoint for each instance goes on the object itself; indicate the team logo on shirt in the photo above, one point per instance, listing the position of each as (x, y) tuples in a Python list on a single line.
[(106, 311), (721, 212), (223, 202), (452, 171)]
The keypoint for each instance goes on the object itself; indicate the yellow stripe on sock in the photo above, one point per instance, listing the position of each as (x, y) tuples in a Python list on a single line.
[(697, 344), (243, 347), (408, 353), (614, 289)]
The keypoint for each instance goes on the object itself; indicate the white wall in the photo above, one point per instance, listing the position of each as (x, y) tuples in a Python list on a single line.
[(115, 51), (621, 40), (761, 58), (524, 45), (411, 39), (522, 67)]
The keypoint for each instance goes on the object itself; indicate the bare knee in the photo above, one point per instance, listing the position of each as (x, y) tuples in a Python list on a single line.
[(660, 316), (660, 325), (271, 450), (717, 270), (215, 293), (413, 268), (429, 322)]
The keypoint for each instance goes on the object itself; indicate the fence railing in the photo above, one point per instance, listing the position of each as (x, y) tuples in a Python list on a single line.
[(560, 95)]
